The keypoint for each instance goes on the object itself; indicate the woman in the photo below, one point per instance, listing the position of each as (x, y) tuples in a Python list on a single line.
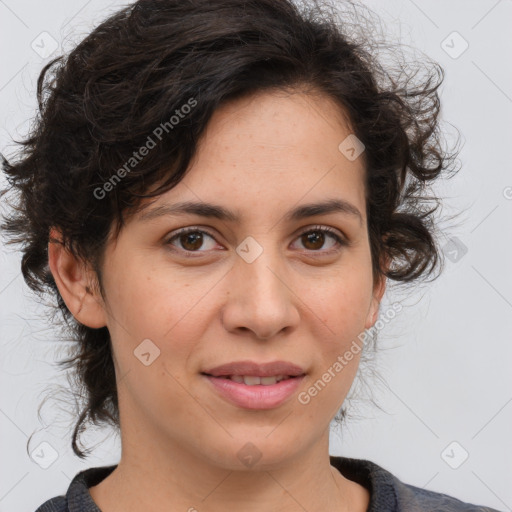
[(216, 193)]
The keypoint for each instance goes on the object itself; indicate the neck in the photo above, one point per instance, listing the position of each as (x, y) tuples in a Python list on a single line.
[(149, 477)]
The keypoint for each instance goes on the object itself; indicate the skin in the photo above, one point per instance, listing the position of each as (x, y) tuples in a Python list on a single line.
[(301, 302)]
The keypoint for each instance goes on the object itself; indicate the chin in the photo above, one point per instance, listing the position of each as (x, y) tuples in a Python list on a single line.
[(253, 452)]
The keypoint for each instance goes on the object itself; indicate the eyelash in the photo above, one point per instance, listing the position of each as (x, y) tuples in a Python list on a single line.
[(341, 242)]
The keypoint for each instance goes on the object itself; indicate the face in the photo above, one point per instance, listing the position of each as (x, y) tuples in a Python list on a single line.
[(262, 286)]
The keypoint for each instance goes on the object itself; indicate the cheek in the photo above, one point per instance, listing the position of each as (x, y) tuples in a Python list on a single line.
[(341, 304), (343, 307), (153, 302), (324, 393), (158, 316), (152, 337)]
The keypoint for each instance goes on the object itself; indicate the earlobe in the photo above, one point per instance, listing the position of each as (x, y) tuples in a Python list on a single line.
[(378, 293), (373, 312), (75, 283)]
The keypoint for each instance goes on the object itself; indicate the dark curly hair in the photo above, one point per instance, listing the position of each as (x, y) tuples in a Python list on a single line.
[(134, 71)]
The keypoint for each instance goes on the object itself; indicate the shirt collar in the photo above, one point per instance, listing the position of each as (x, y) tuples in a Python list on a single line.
[(379, 482)]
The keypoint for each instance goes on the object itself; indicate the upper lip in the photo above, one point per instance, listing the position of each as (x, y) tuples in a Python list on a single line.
[(251, 368)]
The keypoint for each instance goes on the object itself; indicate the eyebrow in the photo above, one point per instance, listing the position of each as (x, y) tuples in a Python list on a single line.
[(221, 213)]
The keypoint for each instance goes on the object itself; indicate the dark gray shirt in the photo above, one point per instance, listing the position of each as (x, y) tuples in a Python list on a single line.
[(387, 493)]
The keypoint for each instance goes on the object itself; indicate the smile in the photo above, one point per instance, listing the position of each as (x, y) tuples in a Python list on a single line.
[(253, 380), (252, 392)]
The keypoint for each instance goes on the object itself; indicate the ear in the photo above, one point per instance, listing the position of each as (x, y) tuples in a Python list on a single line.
[(378, 292), (77, 283)]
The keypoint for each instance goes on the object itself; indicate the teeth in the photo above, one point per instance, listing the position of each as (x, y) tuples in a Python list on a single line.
[(252, 380)]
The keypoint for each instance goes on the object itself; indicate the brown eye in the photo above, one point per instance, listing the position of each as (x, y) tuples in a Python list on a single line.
[(191, 240), (315, 239)]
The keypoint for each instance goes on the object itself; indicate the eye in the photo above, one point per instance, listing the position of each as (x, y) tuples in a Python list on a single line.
[(191, 239), (314, 238)]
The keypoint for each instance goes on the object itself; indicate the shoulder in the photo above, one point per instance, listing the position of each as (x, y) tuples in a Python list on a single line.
[(57, 504), (389, 493), (78, 497), (414, 499)]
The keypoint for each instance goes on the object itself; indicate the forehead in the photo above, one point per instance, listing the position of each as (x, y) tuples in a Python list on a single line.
[(269, 150), (278, 121)]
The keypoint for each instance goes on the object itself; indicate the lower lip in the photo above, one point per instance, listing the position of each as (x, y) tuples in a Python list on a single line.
[(258, 396)]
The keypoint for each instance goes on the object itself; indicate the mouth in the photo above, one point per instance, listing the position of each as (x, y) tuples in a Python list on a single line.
[(251, 369), (249, 385), (255, 380), (255, 392)]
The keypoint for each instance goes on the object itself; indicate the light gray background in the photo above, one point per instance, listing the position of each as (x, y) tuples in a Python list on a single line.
[(447, 372)]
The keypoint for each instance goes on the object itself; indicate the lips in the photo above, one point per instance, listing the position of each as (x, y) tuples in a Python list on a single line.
[(253, 369), (252, 385)]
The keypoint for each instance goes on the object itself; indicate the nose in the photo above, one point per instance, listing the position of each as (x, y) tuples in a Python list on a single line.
[(261, 298)]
